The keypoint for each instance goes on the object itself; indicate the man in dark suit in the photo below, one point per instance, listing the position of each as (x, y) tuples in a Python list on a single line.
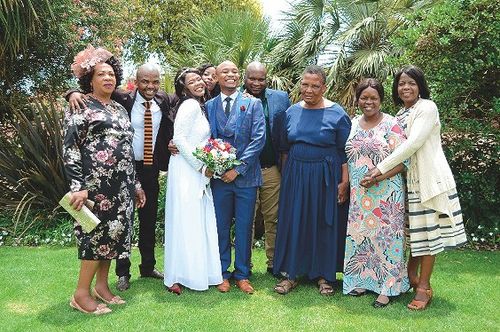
[(274, 104), (238, 120), (146, 97)]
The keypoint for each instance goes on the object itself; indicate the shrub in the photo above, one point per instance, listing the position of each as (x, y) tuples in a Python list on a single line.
[(457, 46), (31, 166), (474, 160)]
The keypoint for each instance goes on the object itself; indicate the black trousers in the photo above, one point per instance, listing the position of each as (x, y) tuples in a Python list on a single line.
[(148, 176)]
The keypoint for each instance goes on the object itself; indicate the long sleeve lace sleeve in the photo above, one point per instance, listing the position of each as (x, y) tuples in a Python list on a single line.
[(184, 125)]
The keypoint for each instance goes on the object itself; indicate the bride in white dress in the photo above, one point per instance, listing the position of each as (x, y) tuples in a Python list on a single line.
[(191, 244)]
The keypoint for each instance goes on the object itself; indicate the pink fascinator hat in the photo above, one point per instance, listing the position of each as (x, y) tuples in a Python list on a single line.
[(88, 58)]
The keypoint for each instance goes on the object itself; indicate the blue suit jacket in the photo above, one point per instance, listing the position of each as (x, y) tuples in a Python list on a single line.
[(277, 103), (246, 126)]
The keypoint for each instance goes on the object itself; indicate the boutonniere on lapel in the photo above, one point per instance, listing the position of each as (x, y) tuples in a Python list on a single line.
[(243, 108)]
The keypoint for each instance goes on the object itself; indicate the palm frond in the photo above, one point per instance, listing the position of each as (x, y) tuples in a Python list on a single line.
[(220, 37)]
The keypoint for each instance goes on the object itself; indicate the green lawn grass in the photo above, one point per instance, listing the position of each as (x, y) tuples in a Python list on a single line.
[(36, 284)]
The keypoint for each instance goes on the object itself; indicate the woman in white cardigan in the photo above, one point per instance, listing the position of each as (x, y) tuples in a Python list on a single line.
[(435, 217)]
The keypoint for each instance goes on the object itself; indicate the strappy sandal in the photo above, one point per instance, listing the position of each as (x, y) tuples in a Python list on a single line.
[(114, 300), (418, 304), (285, 286), (101, 309), (325, 288)]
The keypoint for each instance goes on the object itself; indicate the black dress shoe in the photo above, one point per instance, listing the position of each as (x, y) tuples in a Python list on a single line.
[(153, 274), (377, 304), (123, 283)]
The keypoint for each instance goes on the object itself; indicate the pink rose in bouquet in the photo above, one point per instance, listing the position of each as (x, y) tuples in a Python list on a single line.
[(217, 155)]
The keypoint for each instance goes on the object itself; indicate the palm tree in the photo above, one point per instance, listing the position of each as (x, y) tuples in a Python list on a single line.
[(309, 27), (237, 36), (351, 38), (363, 47)]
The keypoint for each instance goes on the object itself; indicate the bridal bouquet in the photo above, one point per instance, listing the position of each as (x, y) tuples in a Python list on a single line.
[(217, 155)]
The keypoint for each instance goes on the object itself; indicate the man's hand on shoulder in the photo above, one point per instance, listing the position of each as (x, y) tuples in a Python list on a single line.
[(77, 102)]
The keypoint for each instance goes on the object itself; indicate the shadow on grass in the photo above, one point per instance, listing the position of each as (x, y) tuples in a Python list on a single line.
[(61, 315)]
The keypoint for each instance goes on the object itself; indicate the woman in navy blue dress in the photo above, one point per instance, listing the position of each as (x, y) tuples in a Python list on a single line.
[(314, 188)]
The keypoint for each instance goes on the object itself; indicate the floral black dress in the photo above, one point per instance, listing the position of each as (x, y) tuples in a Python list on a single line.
[(98, 157)]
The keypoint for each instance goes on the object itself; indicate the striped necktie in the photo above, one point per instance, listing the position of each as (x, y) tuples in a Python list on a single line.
[(148, 134)]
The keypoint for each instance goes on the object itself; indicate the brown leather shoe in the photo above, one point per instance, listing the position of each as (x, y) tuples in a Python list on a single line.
[(224, 287), (245, 286)]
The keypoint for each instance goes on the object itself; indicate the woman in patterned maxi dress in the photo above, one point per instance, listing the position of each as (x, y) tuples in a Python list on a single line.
[(374, 255)]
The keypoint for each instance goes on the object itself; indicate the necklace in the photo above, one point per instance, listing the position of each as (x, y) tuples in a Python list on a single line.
[(104, 103)]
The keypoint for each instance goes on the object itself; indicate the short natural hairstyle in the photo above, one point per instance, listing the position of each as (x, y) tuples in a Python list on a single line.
[(315, 70), (370, 83), (86, 79), (180, 80), (418, 75)]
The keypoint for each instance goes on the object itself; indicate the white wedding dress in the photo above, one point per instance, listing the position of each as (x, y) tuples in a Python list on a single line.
[(191, 244)]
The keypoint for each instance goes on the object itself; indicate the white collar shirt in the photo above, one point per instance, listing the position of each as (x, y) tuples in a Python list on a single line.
[(137, 121), (232, 96)]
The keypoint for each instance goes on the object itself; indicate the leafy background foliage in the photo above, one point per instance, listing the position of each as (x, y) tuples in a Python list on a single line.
[(162, 26), (216, 38), (37, 61), (457, 46)]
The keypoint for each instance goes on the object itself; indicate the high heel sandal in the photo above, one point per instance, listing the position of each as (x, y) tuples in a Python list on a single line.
[(114, 300), (175, 288), (419, 304)]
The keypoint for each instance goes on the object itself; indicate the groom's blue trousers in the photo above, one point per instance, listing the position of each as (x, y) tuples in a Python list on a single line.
[(235, 203)]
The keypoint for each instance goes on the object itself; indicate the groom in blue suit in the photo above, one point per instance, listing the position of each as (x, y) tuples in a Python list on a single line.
[(238, 120)]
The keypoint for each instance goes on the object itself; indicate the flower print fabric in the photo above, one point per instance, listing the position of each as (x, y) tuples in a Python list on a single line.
[(98, 157), (374, 255)]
